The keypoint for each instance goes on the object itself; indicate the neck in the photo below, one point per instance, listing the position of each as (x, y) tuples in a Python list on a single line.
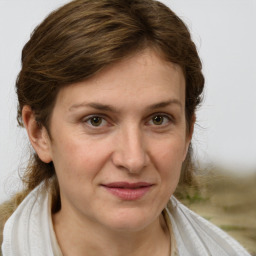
[(80, 238)]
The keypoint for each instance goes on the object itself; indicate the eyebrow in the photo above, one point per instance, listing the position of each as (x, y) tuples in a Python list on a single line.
[(94, 105), (165, 104), (109, 108)]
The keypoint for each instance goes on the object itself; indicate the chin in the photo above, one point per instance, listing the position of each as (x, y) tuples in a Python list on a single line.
[(131, 221)]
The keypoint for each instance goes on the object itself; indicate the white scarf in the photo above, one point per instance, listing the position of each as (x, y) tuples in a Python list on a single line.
[(196, 236), (27, 233)]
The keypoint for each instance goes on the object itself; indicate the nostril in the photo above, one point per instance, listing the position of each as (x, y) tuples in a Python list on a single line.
[(132, 165), (130, 154)]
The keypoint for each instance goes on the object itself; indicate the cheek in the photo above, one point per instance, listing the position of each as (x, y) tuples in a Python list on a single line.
[(170, 151), (77, 159), (77, 165), (168, 158)]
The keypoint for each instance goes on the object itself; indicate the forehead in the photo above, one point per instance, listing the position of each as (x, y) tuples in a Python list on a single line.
[(142, 78)]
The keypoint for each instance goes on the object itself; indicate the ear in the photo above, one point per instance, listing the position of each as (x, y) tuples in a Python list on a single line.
[(189, 135), (37, 134)]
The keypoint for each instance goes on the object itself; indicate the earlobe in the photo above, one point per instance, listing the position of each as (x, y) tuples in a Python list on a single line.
[(37, 134)]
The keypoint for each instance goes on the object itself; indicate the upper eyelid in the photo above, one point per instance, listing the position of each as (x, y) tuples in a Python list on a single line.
[(161, 114), (88, 117), (110, 120), (168, 116)]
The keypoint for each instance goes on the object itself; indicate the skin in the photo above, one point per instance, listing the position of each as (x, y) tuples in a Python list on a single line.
[(124, 143)]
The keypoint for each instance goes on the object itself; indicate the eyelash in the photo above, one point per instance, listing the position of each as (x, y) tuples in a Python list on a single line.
[(166, 119), (90, 119)]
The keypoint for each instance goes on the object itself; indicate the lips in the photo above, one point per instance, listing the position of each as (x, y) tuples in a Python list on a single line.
[(128, 191)]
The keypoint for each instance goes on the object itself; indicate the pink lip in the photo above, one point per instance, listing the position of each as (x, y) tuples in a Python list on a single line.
[(128, 191)]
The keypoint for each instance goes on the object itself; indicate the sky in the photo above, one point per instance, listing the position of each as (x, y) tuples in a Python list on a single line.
[(225, 35)]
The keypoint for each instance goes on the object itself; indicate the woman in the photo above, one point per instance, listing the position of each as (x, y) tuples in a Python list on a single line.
[(107, 93)]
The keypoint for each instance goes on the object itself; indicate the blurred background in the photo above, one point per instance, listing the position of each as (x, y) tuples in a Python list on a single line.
[(225, 135)]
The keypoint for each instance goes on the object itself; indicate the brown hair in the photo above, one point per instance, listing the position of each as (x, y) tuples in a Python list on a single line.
[(78, 40)]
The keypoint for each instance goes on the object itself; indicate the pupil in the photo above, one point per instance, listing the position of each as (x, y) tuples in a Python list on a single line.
[(158, 120), (96, 121)]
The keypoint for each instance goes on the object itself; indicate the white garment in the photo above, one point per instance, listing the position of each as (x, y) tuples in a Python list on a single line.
[(196, 236), (28, 232)]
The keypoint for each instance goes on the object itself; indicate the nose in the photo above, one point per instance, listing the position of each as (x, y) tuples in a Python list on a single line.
[(130, 150)]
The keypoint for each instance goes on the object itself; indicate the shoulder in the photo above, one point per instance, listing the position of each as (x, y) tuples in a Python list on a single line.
[(197, 236), (7, 209)]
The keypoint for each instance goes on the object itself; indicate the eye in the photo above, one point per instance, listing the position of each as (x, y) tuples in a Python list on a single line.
[(159, 119), (96, 121)]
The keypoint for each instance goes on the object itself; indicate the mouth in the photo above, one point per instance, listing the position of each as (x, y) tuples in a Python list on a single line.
[(128, 191)]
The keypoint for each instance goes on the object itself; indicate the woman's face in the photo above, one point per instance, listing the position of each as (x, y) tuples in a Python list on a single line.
[(118, 142)]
